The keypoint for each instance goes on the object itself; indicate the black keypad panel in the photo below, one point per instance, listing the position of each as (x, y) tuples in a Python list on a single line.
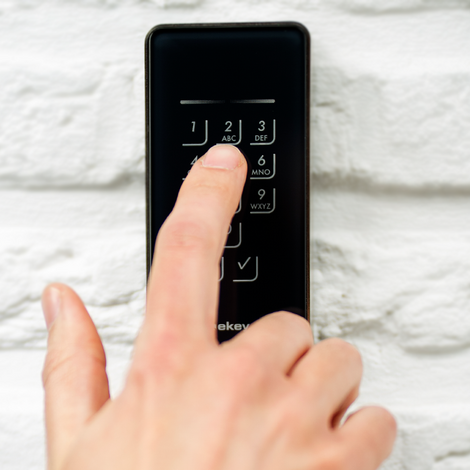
[(244, 85)]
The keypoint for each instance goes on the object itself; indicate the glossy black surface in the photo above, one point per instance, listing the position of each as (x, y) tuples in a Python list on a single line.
[(201, 83)]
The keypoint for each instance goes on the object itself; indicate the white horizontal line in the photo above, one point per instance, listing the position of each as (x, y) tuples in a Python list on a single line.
[(202, 101), (253, 101)]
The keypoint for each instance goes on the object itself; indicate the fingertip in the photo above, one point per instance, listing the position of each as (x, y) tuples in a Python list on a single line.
[(389, 421), (379, 413), (372, 430), (53, 298), (223, 157), (51, 301)]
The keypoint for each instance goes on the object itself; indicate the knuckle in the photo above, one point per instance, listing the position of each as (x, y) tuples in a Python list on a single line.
[(67, 366), (55, 366), (170, 359), (298, 321), (292, 414), (218, 193), (345, 350), (142, 378), (244, 368), (186, 234), (165, 360), (212, 187), (68, 360), (332, 459)]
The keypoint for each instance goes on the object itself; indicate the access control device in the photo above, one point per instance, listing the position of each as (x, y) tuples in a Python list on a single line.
[(245, 85)]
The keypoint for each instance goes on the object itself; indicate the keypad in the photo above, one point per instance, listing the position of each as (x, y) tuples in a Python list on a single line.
[(256, 137), (247, 86)]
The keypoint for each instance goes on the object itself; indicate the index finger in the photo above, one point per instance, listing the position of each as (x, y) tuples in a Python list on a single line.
[(183, 287)]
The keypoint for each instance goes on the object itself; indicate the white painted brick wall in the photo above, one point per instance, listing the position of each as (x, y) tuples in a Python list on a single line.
[(390, 187)]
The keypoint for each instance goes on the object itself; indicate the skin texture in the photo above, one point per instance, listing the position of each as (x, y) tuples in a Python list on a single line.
[(269, 399)]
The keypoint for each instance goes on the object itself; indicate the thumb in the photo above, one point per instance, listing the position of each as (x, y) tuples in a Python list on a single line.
[(74, 375)]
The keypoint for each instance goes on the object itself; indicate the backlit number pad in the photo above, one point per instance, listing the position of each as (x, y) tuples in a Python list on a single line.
[(257, 139), (200, 132)]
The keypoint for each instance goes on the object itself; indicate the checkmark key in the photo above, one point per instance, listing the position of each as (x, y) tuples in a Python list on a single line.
[(250, 267)]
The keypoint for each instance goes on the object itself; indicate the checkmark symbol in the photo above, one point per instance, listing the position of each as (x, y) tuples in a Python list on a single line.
[(242, 266)]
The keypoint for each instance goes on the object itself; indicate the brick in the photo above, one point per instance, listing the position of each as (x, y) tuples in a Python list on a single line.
[(434, 438), (389, 100), (431, 438), (398, 378), (118, 208), (50, 234), (68, 125), (413, 286), (106, 268), (410, 129)]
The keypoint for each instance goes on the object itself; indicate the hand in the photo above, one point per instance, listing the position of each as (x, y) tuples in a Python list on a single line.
[(266, 400)]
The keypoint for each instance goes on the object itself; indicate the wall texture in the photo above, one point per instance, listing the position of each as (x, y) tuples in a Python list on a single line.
[(390, 188)]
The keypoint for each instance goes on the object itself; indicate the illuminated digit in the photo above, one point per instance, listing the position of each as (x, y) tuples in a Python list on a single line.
[(194, 125), (262, 161), (262, 126), (261, 194), (229, 126)]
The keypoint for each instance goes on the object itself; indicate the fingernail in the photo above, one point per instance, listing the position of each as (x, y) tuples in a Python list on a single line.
[(224, 157), (51, 304)]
